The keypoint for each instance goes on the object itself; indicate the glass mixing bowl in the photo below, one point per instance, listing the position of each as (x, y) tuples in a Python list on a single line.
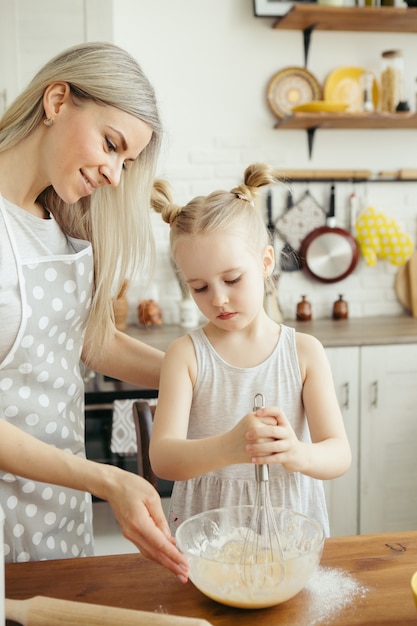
[(213, 543)]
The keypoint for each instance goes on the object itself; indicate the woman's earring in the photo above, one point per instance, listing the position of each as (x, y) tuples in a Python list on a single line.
[(48, 122)]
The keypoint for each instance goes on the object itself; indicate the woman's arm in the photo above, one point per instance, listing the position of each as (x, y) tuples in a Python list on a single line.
[(128, 359), (135, 502)]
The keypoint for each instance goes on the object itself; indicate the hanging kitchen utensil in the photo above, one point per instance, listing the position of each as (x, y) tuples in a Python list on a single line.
[(330, 253), (289, 260), (303, 217)]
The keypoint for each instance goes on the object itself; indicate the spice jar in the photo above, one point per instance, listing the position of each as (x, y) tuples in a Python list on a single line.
[(392, 80), (340, 309), (304, 310)]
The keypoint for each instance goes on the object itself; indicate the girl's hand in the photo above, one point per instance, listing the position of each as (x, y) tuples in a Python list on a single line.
[(236, 448), (273, 440)]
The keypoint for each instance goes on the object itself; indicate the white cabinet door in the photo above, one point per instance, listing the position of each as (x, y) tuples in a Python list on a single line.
[(342, 493), (33, 32), (388, 486)]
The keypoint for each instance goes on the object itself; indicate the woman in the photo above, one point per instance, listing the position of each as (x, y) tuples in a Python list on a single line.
[(78, 150)]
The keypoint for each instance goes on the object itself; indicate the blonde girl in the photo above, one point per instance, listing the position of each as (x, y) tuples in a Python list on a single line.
[(206, 436)]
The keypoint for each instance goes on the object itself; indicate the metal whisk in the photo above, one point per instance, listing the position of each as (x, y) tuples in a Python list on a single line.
[(262, 555)]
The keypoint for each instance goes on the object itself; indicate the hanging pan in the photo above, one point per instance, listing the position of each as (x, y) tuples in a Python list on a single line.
[(329, 253)]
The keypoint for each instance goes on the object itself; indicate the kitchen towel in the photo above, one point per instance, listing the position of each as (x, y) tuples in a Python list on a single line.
[(123, 436), (381, 236), (297, 222)]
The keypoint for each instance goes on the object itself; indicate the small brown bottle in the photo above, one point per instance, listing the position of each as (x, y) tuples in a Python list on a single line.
[(340, 309), (304, 310)]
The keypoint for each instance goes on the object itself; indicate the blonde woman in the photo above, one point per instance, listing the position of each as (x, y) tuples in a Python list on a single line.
[(206, 436), (78, 150)]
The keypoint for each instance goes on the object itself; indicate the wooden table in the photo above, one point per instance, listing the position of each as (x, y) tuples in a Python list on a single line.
[(380, 566)]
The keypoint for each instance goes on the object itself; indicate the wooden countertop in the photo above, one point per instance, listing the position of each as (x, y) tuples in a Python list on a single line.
[(363, 331), (362, 580)]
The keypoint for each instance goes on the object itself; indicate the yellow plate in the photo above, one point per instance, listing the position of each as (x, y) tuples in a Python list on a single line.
[(322, 105), (344, 84), (290, 87)]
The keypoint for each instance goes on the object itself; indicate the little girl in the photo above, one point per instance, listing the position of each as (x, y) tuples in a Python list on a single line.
[(206, 436)]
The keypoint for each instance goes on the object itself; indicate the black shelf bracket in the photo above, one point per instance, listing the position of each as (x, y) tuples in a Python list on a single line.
[(310, 139), (307, 32)]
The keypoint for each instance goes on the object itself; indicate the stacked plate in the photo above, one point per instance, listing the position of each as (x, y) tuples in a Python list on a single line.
[(295, 89)]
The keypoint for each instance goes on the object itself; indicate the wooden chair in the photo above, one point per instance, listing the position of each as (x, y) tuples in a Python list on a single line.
[(143, 414)]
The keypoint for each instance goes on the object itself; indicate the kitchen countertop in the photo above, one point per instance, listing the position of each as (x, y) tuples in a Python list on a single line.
[(361, 331), (366, 331), (362, 580)]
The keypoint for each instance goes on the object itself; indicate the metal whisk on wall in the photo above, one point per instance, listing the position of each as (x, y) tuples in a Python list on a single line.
[(262, 554)]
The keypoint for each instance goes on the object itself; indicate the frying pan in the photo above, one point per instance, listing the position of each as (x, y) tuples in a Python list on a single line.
[(329, 253)]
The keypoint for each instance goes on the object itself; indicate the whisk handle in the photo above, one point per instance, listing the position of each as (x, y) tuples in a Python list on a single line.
[(261, 473)]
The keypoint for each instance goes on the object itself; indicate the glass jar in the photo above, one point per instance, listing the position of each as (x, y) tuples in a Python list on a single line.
[(392, 80)]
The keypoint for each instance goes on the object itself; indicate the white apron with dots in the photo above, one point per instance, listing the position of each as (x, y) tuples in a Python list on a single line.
[(42, 393)]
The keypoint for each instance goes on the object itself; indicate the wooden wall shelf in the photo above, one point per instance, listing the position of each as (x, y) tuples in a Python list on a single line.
[(357, 176), (359, 121), (306, 121), (311, 16), (366, 19)]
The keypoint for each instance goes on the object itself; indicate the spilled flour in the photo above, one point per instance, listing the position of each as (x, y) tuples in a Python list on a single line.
[(330, 591)]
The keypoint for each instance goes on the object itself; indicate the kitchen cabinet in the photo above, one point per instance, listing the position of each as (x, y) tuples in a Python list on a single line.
[(377, 392), (342, 493), (388, 436), (311, 17)]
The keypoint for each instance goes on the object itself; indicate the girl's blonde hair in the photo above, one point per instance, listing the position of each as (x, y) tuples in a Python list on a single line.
[(234, 211), (115, 220)]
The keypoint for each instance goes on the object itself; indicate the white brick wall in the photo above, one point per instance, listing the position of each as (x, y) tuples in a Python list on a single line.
[(369, 290), (210, 62)]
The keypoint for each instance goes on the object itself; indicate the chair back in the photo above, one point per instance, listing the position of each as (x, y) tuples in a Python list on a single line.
[(143, 414)]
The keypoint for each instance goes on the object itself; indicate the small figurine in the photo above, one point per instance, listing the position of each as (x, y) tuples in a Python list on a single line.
[(149, 313)]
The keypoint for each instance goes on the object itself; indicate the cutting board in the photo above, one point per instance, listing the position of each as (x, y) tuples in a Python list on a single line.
[(406, 285), (412, 277)]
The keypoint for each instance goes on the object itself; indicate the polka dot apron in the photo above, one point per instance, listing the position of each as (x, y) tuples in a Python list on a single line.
[(42, 393)]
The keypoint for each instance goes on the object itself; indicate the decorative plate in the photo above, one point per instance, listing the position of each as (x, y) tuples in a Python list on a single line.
[(322, 105), (345, 84), (291, 87)]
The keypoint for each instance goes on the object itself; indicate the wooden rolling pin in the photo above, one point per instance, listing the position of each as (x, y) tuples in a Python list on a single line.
[(41, 610)]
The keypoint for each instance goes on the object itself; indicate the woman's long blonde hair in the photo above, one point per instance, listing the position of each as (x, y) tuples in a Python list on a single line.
[(116, 220)]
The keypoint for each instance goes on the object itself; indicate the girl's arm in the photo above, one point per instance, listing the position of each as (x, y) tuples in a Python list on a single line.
[(329, 455), (135, 502), (173, 456)]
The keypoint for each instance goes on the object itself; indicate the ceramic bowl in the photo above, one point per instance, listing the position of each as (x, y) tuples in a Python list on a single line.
[(213, 542)]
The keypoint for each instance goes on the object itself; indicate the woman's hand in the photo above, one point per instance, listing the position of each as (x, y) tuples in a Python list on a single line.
[(137, 508), (273, 440)]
